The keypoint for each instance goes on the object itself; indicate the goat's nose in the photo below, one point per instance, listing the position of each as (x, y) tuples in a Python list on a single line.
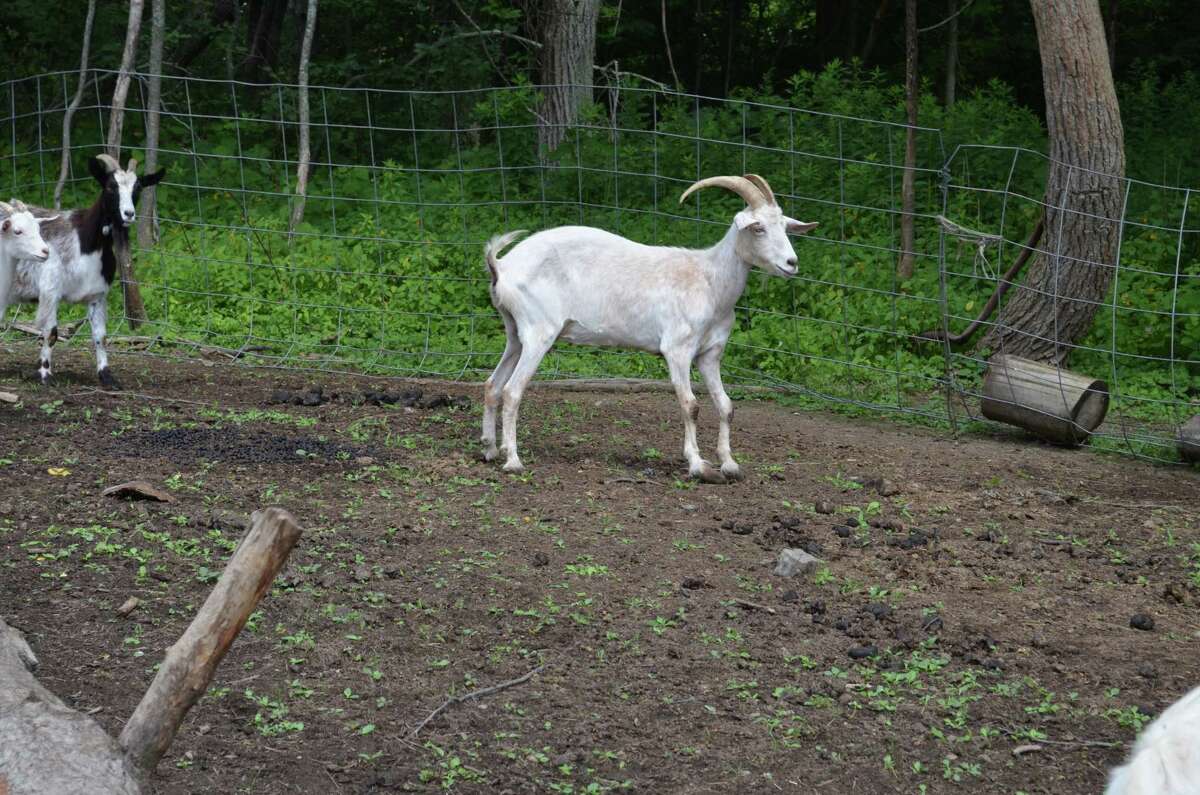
[(791, 262), (128, 213), (45, 252)]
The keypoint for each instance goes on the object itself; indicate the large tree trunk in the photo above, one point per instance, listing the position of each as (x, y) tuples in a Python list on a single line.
[(148, 216), (135, 309), (69, 115), (1065, 287), (568, 35), (305, 149), (908, 191), (951, 54)]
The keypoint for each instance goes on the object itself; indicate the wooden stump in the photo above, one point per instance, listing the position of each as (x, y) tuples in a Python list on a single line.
[(47, 747), (1189, 440), (1056, 405)]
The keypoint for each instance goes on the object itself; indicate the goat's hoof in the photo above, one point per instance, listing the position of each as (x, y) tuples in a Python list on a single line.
[(731, 470), (107, 380), (514, 467), (706, 474), (490, 453), (45, 379)]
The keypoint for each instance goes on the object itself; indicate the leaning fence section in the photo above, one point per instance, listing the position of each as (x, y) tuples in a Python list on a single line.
[(385, 274)]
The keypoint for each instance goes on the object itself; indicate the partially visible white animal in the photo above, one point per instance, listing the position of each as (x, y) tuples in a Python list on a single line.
[(20, 239), (1166, 758), (591, 287)]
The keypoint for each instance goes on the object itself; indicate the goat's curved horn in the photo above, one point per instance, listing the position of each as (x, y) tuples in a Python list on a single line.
[(109, 162), (19, 205), (132, 167), (739, 185), (6, 208), (762, 185)]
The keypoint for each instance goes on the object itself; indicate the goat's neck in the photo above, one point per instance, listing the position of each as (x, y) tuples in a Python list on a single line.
[(726, 270)]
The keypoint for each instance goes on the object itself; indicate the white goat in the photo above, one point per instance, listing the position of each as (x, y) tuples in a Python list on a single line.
[(1166, 758), (588, 286), (20, 239)]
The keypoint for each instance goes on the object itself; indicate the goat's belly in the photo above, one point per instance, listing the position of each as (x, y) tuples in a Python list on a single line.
[(84, 288), (583, 335)]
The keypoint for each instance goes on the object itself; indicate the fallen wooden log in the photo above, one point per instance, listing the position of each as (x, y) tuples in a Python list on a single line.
[(1189, 440), (1057, 405), (45, 746)]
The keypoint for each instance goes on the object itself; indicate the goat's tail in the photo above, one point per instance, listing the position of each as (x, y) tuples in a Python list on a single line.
[(498, 244)]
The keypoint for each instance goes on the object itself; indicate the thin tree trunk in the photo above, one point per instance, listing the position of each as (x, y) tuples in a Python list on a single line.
[(667, 43), (951, 53), (116, 116), (135, 309), (873, 32), (568, 34), (65, 165), (1067, 284), (908, 196), (732, 17), (148, 216), (302, 169), (230, 68)]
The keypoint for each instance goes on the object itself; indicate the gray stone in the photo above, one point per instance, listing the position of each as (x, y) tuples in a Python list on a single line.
[(795, 561)]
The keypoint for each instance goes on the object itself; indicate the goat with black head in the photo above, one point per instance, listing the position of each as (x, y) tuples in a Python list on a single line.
[(81, 265)]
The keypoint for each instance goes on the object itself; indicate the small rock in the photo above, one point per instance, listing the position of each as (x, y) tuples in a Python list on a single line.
[(863, 652), (789, 596), (1142, 621), (843, 531), (887, 488), (728, 524), (993, 664), (1174, 592), (823, 507), (128, 606), (693, 583), (795, 561), (362, 574), (364, 460), (1147, 670), (281, 396), (540, 559), (204, 728), (845, 698), (878, 610), (743, 529)]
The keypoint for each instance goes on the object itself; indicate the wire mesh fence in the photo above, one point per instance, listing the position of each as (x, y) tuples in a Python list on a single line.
[(385, 275)]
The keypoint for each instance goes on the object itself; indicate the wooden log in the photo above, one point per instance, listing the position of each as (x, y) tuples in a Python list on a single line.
[(1189, 440), (191, 661), (1054, 404), (45, 746)]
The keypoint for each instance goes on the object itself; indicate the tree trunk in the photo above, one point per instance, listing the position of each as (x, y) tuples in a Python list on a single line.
[(302, 169), (69, 115), (733, 18), (1065, 287), (951, 53), (568, 35), (116, 115), (873, 32), (908, 192), (667, 44), (148, 216), (135, 309)]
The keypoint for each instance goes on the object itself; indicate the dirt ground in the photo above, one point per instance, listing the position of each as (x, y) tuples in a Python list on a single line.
[(970, 629)]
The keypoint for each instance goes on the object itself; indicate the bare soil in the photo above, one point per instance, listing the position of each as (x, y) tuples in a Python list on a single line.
[(970, 629)]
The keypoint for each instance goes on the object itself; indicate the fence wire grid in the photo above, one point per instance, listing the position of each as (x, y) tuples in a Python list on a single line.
[(385, 276)]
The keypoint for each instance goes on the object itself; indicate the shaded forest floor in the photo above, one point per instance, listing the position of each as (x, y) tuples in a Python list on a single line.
[(970, 629)]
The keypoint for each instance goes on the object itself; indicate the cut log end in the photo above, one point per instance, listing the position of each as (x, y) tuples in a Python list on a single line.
[(1054, 404), (1189, 440)]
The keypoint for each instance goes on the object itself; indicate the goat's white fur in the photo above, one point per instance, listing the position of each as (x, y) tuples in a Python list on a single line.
[(20, 239), (1166, 758), (588, 286)]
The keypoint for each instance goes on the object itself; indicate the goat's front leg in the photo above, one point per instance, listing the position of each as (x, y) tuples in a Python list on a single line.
[(709, 365), (680, 368), (98, 320), (46, 323)]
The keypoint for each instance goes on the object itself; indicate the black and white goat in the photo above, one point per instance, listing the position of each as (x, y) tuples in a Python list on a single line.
[(81, 264)]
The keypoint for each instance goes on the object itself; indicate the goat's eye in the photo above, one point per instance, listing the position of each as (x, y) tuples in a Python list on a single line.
[(759, 229)]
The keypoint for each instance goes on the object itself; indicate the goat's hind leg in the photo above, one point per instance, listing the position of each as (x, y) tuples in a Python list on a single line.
[(533, 349), (493, 388), (680, 368), (98, 320)]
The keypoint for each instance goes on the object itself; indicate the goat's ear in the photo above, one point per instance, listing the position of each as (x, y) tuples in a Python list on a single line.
[(795, 227), (48, 219), (4, 227), (148, 180), (98, 170), (745, 219)]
